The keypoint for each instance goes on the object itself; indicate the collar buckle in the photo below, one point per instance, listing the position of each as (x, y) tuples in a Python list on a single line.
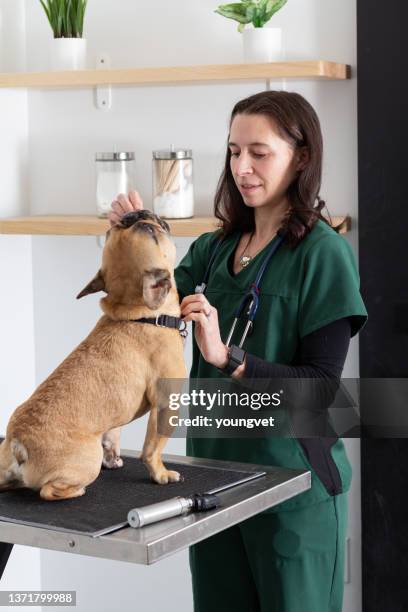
[(162, 324)]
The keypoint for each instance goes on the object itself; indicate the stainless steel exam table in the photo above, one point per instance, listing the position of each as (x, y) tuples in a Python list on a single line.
[(157, 541)]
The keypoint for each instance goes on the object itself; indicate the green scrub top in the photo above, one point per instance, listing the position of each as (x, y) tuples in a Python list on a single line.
[(302, 290)]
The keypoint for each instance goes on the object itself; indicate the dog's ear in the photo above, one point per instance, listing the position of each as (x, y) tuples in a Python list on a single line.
[(96, 284), (156, 285)]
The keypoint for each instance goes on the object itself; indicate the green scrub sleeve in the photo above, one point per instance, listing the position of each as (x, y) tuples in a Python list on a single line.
[(331, 286), (191, 269)]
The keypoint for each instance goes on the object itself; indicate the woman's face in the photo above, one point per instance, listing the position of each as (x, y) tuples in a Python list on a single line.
[(262, 163)]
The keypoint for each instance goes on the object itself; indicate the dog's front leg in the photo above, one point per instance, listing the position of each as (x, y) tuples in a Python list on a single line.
[(111, 449), (152, 450)]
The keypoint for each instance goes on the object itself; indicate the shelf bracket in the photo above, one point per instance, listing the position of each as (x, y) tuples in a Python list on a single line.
[(268, 85), (100, 241), (103, 93)]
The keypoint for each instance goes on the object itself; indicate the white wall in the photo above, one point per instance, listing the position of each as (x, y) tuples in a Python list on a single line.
[(64, 132), (17, 374)]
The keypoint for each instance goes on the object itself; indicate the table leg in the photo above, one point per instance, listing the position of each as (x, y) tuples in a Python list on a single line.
[(5, 550)]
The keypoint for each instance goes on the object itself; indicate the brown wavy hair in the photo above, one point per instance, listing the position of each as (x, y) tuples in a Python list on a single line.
[(299, 125)]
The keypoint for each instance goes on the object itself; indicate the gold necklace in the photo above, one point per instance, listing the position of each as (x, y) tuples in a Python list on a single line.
[(245, 259)]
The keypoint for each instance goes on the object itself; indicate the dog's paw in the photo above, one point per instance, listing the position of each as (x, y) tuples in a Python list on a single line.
[(167, 476), (112, 462)]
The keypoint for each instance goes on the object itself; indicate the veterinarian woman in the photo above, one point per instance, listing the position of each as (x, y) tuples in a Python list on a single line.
[(290, 558)]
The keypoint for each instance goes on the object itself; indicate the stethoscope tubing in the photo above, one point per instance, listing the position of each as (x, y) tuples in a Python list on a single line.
[(251, 296)]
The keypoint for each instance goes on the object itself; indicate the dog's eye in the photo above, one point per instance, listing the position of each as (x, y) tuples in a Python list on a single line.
[(163, 224)]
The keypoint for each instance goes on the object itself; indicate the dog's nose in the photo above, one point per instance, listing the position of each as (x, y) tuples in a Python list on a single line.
[(131, 218)]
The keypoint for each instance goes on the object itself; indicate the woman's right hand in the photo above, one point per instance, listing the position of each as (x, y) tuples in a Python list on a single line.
[(124, 204)]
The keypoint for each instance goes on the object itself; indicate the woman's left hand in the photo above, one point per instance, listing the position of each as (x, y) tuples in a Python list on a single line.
[(207, 331)]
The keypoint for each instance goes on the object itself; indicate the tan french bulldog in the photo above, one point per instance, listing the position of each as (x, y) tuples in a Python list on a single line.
[(58, 439)]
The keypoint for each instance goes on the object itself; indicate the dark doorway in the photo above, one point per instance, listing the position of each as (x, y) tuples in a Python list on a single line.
[(383, 254)]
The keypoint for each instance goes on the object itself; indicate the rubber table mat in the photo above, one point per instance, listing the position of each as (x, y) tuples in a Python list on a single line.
[(107, 501)]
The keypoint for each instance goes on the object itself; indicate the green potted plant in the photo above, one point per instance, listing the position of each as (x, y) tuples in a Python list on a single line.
[(66, 18), (260, 44)]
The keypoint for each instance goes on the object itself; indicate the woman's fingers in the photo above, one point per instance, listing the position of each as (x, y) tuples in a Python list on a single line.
[(196, 306), (197, 317), (114, 218), (124, 203), (135, 200), (116, 207), (199, 298), (116, 213), (119, 207)]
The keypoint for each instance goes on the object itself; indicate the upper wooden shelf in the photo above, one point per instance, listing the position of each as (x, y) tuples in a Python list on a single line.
[(82, 225), (317, 69)]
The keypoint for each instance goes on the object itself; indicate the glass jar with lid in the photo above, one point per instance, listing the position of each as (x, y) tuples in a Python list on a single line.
[(173, 194), (115, 173)]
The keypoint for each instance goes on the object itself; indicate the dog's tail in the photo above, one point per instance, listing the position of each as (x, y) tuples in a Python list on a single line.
[(5, 454), (19, 451), (12, 455)]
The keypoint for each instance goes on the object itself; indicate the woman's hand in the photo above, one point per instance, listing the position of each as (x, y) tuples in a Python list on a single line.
[(124, 204), (207, 331)]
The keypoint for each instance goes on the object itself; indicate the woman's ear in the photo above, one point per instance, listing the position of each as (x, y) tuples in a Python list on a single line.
[(303, 158)]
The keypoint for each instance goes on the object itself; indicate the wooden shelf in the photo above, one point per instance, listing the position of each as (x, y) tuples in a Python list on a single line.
[(317, 69), (82, 225)]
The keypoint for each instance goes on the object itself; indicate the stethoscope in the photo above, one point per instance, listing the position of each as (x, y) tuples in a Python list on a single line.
[(251, 297)]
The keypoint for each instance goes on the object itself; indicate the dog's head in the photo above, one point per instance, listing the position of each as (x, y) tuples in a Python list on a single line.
[(137, 263)]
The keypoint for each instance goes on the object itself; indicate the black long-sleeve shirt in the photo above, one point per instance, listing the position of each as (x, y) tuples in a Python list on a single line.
[(315, 377), (321, 354)]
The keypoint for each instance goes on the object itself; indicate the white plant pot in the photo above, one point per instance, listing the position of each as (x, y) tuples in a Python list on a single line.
[(262, 45), (69, 54)]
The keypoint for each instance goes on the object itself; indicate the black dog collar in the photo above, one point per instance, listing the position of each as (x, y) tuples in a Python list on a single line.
[(165, 321)]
